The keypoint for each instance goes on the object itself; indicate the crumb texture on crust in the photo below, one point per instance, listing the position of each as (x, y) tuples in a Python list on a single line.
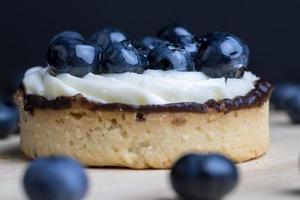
[(142, 140)]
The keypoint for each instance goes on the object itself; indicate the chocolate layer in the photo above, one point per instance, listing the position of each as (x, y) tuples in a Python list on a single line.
[(255, 97)]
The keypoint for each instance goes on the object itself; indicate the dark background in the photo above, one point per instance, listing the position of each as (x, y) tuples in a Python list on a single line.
[(271, 28)]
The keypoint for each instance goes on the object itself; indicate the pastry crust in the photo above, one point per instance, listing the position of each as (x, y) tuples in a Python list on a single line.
[(127, 138)]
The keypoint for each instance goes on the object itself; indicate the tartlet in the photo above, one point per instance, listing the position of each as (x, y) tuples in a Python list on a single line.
[(145, 135)]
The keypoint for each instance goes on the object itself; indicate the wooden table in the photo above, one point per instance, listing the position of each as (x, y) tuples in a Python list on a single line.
[(274, 176)]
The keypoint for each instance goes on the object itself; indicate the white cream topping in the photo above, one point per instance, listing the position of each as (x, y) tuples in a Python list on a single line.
[(151, 87)]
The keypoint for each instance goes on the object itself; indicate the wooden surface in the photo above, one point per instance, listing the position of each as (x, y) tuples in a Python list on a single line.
[(273, 176)]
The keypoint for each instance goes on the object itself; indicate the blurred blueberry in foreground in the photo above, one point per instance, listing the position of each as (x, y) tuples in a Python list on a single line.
[(203, 176), (55, 178), (282, 93)]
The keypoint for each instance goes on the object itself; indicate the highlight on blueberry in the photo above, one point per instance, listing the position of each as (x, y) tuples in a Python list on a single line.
[(68, 34), (73, 56), (170, 57), (172, 31), (203, 176), (107, 36), (125, 56), (55, 178), (189, 43), (152, 42), (222, 55)]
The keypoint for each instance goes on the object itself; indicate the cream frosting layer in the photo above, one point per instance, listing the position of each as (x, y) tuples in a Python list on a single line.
[(151, 87)]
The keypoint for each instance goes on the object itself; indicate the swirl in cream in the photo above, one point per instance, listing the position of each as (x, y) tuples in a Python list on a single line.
[(151, 87)]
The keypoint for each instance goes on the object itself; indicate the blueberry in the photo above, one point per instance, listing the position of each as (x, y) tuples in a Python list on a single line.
[(203, 177), (222, 55), (170, 57), (152, 42), (190, 44), (73, 56), (68, 34), (55, 178), (142, 48), (282, 93), (107, 36), (292, 107), (172, 31), (9, 118), (124, 57)]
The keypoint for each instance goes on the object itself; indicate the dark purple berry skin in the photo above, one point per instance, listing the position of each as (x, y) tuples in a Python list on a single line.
[(203, 176), (73, 56), (170, 57), (125, 56), (55, 178), (222, 55), (107, 36)]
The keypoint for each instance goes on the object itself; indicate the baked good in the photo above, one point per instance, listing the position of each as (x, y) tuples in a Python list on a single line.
[(146, 107)]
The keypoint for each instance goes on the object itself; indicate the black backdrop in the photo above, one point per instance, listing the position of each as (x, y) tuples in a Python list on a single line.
[(271, 28)]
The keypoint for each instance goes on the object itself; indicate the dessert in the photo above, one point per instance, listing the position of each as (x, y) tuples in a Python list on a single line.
[(144, 104)]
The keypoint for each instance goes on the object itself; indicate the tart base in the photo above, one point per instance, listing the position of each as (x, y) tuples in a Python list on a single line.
[(153, 140)]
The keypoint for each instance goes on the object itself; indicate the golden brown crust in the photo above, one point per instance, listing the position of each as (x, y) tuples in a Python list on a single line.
[(130, 138)]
